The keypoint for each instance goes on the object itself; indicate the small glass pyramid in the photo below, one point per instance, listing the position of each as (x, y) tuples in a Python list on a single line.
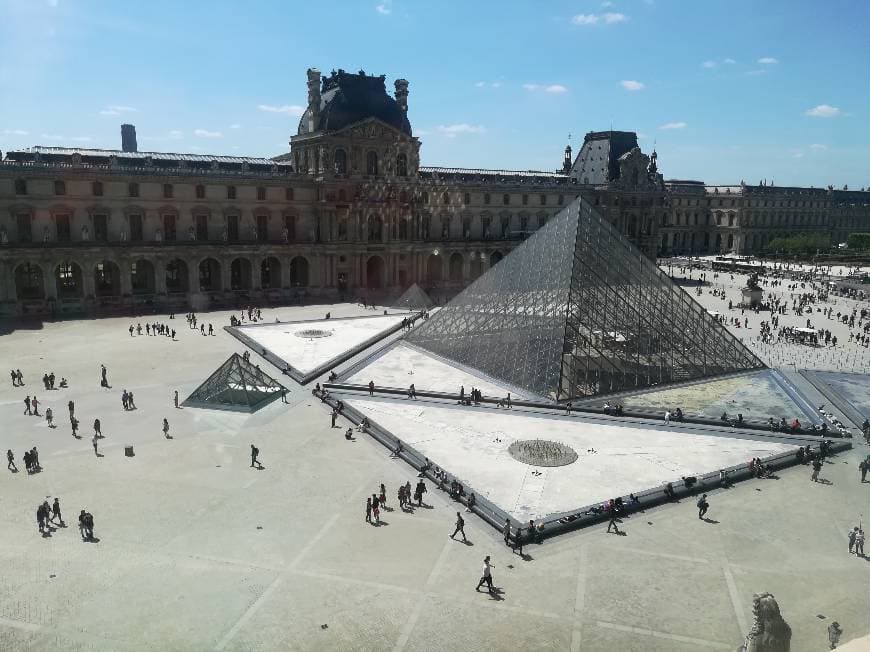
[(236, 385), (577, 310), (413, 299)]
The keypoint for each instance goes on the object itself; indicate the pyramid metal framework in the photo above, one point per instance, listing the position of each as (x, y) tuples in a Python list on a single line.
[(576, 311), (414, 298), (235, 385)]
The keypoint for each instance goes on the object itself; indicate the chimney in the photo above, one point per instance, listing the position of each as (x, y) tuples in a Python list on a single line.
[(128, 139), (313, 99), (402, 94)]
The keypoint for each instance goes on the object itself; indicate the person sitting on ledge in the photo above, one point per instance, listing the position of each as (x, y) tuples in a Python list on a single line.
[(795, 425), (425, 467), (669, 491), (286, 370), (678, 414), (332, 376), (348, 434), (619, 409), (316, 389), (633, 500), (740, 417), (724, 417), (783, 425), (63, 382), (398, 449), (472, 501), (361, 427)]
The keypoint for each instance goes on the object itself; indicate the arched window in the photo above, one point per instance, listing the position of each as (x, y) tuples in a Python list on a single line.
[(372, 164), (402, 165), (340, 161)]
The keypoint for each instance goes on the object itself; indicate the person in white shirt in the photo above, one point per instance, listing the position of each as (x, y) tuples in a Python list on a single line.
[(487, 575)]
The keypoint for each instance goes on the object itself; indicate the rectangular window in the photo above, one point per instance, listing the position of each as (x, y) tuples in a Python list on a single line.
[(97, 188), (202, 227), (261, 194), (62, 225), (561, 199), (133, 189), (169, 228), (25, 231), (467, 198), (486, 198), (288, 194), (506, 199), (543, 199), (262, 228), (167, 191), (135, 228), (20, 187), (101, 228), (231, 192), (59, 188), (486, 225), (290, 225), (525, 200), (200, 192), (233, 228)]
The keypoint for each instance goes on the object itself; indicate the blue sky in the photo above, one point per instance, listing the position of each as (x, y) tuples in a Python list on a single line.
[(727, 90)]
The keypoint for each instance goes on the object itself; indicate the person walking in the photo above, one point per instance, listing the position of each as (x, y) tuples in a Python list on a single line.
[(34, 403), (834, 633), (486, 578), (368, 510), (104, 382), (667, 417), (49, 417), (383, 496), (703, 505), (460, 527), (166, 429), (859, 543), (418, 493), (612, 523), (27, 406), (74, 424), (518, 541), (41, 518), (852, 534), (72, 410), (254, 461), (10, 461), (334, 417), (94, 444), (863, 468), (376, 510), (175, 398), (55, 512), (371, 388), (506, 530), (97, 432)]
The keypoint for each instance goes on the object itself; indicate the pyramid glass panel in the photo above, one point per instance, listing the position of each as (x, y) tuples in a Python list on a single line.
[(235, 385), (577, 311)]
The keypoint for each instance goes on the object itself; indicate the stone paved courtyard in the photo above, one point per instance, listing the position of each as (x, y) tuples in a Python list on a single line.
[(198, 551)]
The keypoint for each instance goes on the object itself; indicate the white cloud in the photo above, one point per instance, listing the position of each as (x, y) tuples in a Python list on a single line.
[(823, 111), (15, 132), (204, 133), (175, 134), (290, 109), (116, 109), (818, 146), (768, 60), (729, 61), (797, 155), (451, 131), (480, 84), (531, 87), (496, 84), (82, 139), (631, 85), (606, 4), (235, 126), (555, 88), (709, 64), (52, 137), (385, 8), (108, 112), (593, 19), (673, 125)]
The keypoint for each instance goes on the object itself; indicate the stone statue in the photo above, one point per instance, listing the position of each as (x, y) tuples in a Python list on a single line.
[(4, 237), (86, 234), (752, 282), (191, 233), (45, 236), (285, 235), (224, 234), (123, 235), (769, 633), (158, 236)]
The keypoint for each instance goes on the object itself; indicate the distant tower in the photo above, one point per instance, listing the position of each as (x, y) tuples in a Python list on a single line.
[(653, 166), (313, 99), (128, 139), (568, 161), (402, 94)]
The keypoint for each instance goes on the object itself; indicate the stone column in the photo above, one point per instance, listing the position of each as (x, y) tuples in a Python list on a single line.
[(125, 271), (159, 276), (88, 280), (226, 273), (256, 276), (192, 276)]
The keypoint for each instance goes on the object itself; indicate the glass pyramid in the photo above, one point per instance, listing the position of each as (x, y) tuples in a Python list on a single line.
[(413, 299), (576, 311), (236, 385)]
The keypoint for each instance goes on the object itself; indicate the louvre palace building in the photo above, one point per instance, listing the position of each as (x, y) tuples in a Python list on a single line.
[(348, 212)]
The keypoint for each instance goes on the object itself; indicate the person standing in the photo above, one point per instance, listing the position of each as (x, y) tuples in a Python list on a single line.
[(97, 433), (418, 494), (518, 541), (834, 633), (94, 444), (667, 417), (10, 461), (817, 466), (254, 453), (383, 496), (371, 388), (486, 578), (27, 405), (72, 410), (859, 543), (41, 517), (376, 510), (35, 405), (853, 533), (612, 523), (460, 527), (368, 510), (863, 468), (175, 398), (703, 505), (104, 382), (334, 417), (507, 531), (166, 429), (49, 417), (74, 423)]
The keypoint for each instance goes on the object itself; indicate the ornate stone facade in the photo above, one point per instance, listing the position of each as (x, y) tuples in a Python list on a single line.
[(349, 210)]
